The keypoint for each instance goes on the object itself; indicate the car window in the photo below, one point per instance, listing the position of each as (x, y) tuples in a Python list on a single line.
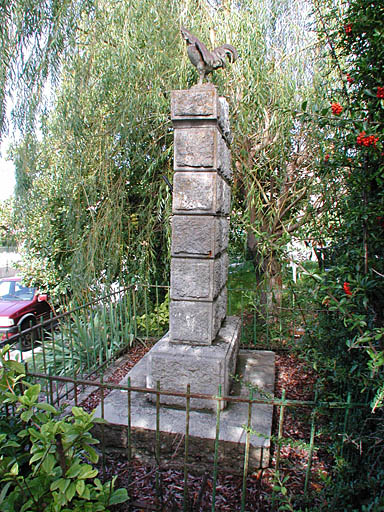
[(14, 290), (5, 288)]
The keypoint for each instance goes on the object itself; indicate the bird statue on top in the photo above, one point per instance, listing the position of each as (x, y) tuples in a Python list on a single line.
[(204, 60)]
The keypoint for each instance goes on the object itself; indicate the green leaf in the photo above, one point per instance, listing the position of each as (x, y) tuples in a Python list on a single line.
[(118, 496), (26, 415), (80, 487), (369, 93), (33, 392), (12, 444), (61, 484), (92, 454), (71, 491), (4, 491), (86, 493), (27, 506), (46, 407), (78, 412), (87, 472), (74, 470), (37, 456), (16, 366), (48, 464), (14, 469)]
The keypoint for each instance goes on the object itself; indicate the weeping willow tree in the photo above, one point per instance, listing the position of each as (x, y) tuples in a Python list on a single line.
[(92, 203), (36, 36), (273, 156)]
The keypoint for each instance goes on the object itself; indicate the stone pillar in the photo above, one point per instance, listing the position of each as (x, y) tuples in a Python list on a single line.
[(201, 346), (200, 224)]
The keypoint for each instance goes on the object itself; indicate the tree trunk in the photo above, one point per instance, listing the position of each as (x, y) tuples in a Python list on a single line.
[(268, 271)]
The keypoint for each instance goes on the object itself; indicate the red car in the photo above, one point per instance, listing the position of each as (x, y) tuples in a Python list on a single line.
[(20, 308)]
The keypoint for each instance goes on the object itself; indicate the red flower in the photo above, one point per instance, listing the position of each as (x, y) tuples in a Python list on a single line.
[(326, 158), (380, 92), (347, 288), (336, 109), (348, 28), (366, 140), (350, 80)]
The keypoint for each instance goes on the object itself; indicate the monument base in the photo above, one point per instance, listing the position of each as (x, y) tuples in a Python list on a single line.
[(256, 368), (205, 368)]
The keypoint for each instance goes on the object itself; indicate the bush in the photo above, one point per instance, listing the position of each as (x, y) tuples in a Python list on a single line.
[(46, 462)]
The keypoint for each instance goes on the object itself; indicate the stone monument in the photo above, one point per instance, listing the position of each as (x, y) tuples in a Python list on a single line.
[(202, 344)]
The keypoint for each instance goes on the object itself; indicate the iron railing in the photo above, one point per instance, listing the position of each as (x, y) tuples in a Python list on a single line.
[(71, 351), (85, 338), (308, 446)]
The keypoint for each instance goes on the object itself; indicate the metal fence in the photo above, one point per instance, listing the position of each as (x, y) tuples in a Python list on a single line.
[(75, 394), (85, 338), (70, 353)]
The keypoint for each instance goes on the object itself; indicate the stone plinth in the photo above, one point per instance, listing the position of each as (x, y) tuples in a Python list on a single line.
[(256, 368), (205, 368)]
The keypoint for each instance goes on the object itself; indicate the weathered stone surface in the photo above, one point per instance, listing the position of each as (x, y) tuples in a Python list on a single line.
[(198, 279), (204, 368), (224, 120), (257, 368), (196, 148), (199, 235), (200, 192), (226, 199), (196, 322), (224, 263), (199, 101), (224, 160), (220, 310), (224, 221)]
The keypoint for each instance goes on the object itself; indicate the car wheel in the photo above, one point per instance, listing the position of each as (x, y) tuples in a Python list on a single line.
[(27, 340)]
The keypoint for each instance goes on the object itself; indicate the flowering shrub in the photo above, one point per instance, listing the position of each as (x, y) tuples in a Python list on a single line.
[(350, 80), (352, 188), (336, 109), (346, 343), (349, 226), (347, 288), (366, 140)]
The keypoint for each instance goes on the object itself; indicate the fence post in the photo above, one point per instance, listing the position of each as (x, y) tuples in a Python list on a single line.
[(186, 447), (280, 431), (157, 447), (246, 456), (310, 453), (218, 410)]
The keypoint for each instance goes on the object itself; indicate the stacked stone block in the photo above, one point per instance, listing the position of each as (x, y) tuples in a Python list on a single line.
[(200, 225), (202, 344)]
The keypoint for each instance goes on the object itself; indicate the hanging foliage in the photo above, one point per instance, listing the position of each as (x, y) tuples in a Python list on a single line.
[(92, 202)]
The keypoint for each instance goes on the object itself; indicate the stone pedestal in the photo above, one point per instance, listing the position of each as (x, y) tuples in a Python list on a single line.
[(205, 368), (200, 348)]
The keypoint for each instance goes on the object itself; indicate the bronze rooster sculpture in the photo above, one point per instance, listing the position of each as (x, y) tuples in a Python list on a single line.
[(204, 60)]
